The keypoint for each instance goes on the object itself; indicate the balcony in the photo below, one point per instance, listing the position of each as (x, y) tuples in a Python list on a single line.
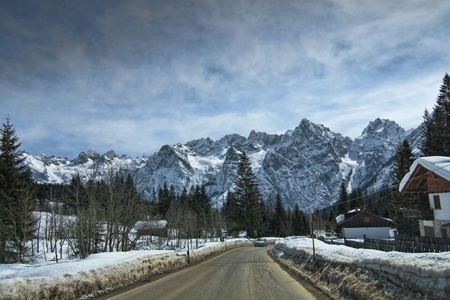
[(423, 213)]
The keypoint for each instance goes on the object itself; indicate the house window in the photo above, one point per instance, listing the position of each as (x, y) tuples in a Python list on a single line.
[(366, 219), (437, 202)]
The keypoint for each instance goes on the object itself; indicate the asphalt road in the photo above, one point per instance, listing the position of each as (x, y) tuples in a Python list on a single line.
[(242, 273)]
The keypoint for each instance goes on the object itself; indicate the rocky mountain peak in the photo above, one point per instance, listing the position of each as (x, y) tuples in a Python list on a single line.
[(110, 154), (383, 128), (305, 166), (202, 145)]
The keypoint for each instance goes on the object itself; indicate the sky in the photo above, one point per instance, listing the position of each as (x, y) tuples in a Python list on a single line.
[(133, 76)]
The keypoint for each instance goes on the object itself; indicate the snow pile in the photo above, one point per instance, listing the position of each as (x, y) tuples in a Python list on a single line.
[(97, 274), (341, 271)]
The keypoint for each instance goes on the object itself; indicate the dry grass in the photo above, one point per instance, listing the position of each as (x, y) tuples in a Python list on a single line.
[(348, 280)]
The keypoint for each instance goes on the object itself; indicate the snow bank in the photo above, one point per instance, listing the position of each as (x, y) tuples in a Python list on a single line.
[(342, 272), (98, 274)]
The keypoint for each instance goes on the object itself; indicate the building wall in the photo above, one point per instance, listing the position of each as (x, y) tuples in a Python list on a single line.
[(370, 232), (434, 228), (444, 212)]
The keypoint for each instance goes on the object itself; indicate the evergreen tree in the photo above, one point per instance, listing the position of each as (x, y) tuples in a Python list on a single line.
[(17, 224), (296, 221), (232, 215), (164, 198), (78, 199), (280, 218), (355, 199), (184, 197), (403, 160), (436, 131), (248, 197), (204, 212), (442, 116), (342, 204), (289, 222), (427, 145), (266, 222)]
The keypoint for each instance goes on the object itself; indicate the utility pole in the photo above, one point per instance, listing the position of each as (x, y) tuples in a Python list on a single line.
[(312, 234), (187, 241)]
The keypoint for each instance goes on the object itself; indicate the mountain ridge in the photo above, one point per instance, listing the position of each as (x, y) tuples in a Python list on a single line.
[(306, 165)]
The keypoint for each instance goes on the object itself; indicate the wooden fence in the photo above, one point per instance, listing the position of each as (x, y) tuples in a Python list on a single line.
[(404, 243)]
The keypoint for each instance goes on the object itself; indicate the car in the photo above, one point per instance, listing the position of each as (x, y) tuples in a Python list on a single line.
[(260, 243)]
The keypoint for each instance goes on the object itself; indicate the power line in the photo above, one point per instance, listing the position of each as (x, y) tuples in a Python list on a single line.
[(383, 190)]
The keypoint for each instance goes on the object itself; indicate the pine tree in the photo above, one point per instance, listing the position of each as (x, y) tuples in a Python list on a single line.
[(289, 220), (427, 145), (232, 215), (403, 160), (342, 204), (436, 132), (267, 216), (17, 224), (248, 197), (204, 213), (296, 221), (280, 217), (165, 196), (355, 199)]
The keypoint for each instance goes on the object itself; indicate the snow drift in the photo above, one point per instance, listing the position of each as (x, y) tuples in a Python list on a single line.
[(109, 271), (344, 272)]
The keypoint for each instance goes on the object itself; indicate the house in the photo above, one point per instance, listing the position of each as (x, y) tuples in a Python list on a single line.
[(429, 177), (357, 223), (149, 228)]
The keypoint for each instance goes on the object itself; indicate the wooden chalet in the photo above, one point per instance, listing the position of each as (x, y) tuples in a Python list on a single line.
[(429, 177), (356, 224)]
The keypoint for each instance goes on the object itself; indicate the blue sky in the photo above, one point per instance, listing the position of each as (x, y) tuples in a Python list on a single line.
[(135, 75)]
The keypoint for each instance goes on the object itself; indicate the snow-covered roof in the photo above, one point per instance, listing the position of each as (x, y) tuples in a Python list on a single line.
[(439, 165), (353, 218), (158, 224), (341, 217)]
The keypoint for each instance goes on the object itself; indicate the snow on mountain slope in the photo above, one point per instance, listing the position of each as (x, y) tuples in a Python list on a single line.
[(305, 166), (91, 165)]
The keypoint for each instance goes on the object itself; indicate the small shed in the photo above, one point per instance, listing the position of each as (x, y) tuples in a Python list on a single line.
[(149, 228), (356, 224)]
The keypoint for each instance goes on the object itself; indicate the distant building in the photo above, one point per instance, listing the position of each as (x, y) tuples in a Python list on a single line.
[(356, 224), (429, 177), (149, 228)]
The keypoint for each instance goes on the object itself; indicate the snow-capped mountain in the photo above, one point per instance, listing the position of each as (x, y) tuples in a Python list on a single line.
[(305, 166)]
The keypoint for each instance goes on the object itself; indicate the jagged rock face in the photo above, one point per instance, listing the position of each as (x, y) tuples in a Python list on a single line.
[(373, 152), (305, 166)]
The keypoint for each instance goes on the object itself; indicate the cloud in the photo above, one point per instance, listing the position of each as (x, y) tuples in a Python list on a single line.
[(135, 75)]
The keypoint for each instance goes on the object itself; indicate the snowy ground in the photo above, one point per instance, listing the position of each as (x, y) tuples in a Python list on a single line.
[(71, 266), (343, 271), (97, 274), (340, 271)]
